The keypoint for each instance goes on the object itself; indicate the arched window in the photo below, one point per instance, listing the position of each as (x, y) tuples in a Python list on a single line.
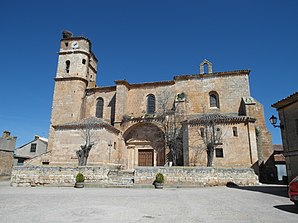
[(150, 104), (206, 70), (205, 67), (99, 108), (67, 66), (214, 100)]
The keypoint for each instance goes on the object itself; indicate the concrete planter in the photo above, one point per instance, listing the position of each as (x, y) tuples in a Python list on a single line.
[(79, 185), (158, 185)]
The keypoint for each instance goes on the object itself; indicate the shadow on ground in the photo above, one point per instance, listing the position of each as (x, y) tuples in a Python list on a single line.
[(278, 190), (287, 208)]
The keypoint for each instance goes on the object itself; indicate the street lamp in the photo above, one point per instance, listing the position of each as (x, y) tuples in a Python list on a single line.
[(273, 121)]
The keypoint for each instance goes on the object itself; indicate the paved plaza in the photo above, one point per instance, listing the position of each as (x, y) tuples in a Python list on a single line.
[(210, 204)]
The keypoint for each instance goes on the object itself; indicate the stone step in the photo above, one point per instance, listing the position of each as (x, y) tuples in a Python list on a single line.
[(120, 178), (96, 185), (121, 181)]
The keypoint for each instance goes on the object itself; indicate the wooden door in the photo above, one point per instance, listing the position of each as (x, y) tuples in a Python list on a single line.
[(145, 157)]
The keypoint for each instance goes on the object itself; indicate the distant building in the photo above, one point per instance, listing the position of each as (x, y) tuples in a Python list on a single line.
[(129, 121), (31, 150), (274, 169), (287, 109), (7, 147), (279, 163)]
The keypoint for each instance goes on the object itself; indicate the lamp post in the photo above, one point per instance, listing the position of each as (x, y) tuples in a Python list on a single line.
[(273, 121)]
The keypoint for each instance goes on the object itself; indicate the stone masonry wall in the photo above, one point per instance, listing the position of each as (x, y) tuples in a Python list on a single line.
[(229, 88), (197, 176), (6, 163), (238, 151), (264, 136), (108, 97), (67, 142), (112, 176), (57, 176), (288, 120)]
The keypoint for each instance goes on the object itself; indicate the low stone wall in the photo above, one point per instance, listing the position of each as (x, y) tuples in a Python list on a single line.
[(112, 176), (58, 176), (196, 176)]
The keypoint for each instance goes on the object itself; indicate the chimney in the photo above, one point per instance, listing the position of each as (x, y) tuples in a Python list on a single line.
[(6, 134)]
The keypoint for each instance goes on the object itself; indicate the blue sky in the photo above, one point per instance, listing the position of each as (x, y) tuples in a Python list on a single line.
[(143, 41)]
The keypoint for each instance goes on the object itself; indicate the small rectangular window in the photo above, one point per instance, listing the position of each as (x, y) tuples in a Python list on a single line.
[(296, 124), (114, 145), (83, 61), (235, 132), (20, 162), (219, 152), (33, 148), (66, 44), (67, 66), (202, 132)]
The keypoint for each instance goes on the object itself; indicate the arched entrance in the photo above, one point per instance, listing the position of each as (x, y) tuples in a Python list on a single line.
[(146, 145)]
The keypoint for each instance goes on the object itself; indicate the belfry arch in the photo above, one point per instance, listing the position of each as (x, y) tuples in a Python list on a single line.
[(145, 144), (209, 67)]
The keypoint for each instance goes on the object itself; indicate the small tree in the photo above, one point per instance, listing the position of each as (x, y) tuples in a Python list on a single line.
[(80, 177), (211, 133), (159, 178), (197, 153), (87, 134), (171, 124)]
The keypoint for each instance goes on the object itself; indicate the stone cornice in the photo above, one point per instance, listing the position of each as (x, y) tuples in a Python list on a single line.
[(92, 123), (144, 119), (219, 119), (286, 101), (71, 79), (74, 52), (94, 57), (80, 126), (216, 74), (146, 84), (92, 68), (102, 89), (152, 84), (180, 78), (81, 52), (6, 150)]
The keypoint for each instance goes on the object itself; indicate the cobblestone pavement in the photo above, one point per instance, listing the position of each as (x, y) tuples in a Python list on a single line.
[(212, 204)]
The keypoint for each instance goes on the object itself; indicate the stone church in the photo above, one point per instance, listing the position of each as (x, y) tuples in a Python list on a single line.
[(131, 123)]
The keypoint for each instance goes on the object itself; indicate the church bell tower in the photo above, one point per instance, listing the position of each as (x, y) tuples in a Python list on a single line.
[(76, 72)]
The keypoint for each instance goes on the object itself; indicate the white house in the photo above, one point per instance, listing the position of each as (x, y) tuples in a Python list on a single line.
[(31, 150)]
